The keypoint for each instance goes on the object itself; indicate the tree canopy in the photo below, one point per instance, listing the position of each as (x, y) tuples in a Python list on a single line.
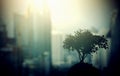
[(84, 42)]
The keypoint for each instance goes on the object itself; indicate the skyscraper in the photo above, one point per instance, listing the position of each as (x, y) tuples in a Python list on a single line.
[(33, 32), (57, 43)]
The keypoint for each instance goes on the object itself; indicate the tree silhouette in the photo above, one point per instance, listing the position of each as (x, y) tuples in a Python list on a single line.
[(84, 42)]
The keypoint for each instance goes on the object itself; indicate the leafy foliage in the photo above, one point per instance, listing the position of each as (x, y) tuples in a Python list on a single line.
[(84, 42)]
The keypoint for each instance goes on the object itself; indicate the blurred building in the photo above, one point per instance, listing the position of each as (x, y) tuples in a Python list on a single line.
[(33, 36), (114, 60), (23, 34), (57, 48), (101, 57)]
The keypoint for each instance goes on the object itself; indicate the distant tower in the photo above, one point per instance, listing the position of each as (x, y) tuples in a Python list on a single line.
[(3, 36), (33, 32), (57, 48), (3, 31), (23, 24), (42, 36)]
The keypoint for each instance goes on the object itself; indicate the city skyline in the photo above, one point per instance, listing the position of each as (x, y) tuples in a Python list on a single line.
[(35, 30)]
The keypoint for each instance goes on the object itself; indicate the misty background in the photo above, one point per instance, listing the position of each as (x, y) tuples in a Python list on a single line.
[(40, 29)]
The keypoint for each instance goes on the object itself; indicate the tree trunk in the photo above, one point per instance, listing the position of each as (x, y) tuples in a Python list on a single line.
[(82, 60), (81, 56)]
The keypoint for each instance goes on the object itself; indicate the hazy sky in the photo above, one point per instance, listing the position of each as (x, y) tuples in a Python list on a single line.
[(67, 15), (70, 15)]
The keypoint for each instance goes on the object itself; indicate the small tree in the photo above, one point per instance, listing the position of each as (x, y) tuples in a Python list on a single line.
[(84, 42)]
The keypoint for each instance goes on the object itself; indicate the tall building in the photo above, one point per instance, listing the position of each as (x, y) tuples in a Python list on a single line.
[(57, 43), (23, 34), (33, 35), (2, 26), (42, 37), (101, 57)]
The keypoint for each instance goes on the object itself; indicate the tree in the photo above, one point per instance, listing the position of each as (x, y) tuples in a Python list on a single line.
[(84, 42)]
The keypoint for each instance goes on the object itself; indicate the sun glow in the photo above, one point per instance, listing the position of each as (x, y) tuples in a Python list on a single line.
[(36, 5), (63, 13), (72, 13)]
